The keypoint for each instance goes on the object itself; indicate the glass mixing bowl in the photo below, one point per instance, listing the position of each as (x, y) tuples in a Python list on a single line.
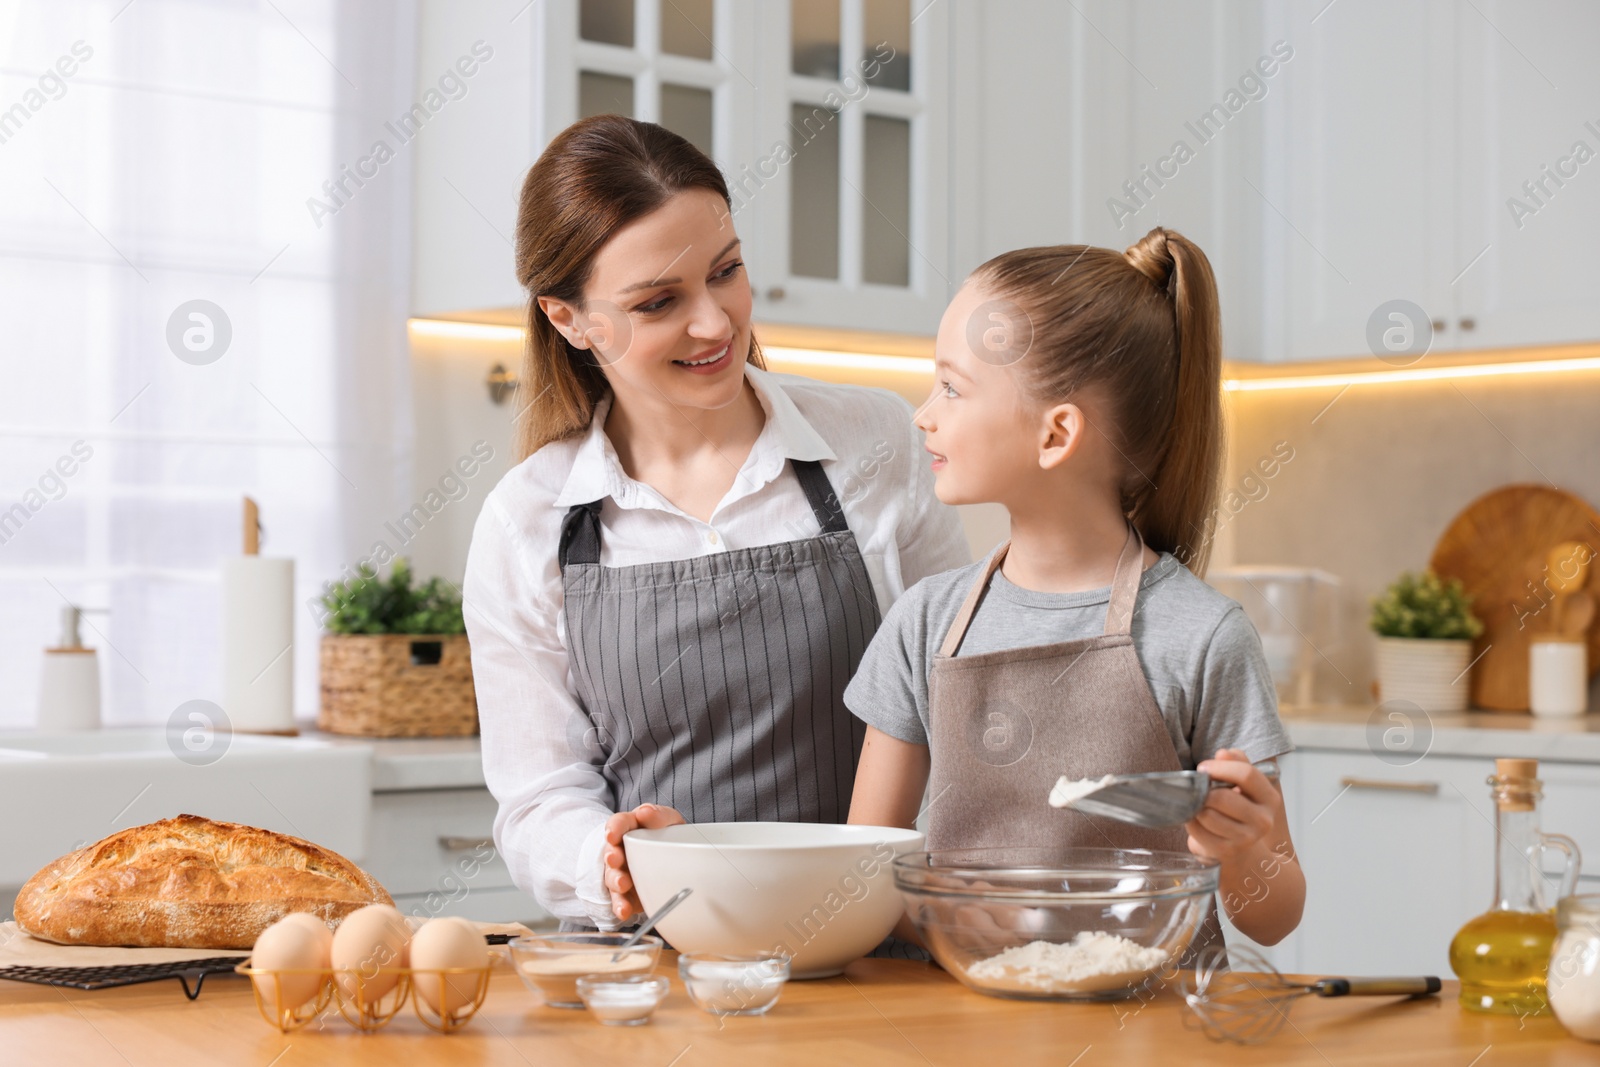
[(1056, 924)]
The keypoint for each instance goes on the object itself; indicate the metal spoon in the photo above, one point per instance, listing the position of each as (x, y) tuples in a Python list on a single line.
[(1157, 800), (649, 923)]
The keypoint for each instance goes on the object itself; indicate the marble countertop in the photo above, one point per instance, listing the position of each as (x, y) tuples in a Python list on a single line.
[(1474, 733), (402, 763)]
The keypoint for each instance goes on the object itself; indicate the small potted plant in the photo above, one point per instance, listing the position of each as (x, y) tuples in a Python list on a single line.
[(1425, 629), (394, 659)]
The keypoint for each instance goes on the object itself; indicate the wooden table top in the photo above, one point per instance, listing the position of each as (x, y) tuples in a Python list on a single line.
[(881, 1013)]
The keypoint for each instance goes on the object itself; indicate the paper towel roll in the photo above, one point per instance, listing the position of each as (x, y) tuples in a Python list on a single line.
[(258, 644)]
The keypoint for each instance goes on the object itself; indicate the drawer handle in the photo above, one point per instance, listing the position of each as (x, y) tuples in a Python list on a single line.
[(463, 844), (1430, 788)]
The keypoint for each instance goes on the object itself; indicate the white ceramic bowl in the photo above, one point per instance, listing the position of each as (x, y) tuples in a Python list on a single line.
[(821, 893)]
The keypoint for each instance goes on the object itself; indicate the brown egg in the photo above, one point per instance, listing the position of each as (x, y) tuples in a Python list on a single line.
[(370, 940), (443, 944), (296, 942)]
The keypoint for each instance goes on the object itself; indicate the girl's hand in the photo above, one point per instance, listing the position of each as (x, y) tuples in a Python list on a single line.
[(1234, 821), (624, 900)]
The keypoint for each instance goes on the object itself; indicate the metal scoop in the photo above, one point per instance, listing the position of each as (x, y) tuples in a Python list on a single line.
[(1156, 801)]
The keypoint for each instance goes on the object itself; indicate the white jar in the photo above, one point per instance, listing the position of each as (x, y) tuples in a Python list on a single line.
[(1558, 676), (1573, 984)]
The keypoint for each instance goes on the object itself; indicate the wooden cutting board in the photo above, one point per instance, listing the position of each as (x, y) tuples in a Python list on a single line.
[(1498, 547)]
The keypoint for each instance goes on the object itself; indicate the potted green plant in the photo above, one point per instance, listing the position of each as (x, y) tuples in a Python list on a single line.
[(1425, 628), (394, 658)]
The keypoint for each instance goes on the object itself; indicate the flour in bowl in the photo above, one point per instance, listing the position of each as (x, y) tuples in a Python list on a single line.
[(1094, 961)]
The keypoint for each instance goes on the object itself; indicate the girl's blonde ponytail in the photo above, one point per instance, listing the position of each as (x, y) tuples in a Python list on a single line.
[(1146, 325)]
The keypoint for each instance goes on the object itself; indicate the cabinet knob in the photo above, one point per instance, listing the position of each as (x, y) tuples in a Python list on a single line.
[(1468, 324), (1438, 325), (776, 292)]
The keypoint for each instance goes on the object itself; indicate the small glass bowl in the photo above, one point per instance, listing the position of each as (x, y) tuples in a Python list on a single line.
[(628, 1000), (734, 984), (551, 964)]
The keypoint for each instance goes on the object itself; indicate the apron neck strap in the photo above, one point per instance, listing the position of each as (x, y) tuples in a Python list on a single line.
[(580, 535), (1125, 585), (958, 628), (580, 530), (1119, 612), (819, 493)]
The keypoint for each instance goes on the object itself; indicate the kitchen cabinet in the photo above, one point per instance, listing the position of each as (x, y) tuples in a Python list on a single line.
[(1372, 157), (829, 118), (1391, 165), (1397, 858), (433, 850)]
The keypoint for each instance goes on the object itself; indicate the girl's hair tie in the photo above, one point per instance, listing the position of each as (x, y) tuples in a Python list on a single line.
[(1153, 258)]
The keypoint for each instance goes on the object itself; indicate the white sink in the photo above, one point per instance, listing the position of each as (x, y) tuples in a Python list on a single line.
[(60, 791)]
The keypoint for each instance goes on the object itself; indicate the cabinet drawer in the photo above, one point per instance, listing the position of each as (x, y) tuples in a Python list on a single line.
[(435, 841)]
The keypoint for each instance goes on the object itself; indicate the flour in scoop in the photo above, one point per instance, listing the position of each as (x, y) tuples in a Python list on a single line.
[(1066, 790), (1092, 962)]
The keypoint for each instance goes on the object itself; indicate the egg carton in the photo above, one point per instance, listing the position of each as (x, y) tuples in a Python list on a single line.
[(469, 985)]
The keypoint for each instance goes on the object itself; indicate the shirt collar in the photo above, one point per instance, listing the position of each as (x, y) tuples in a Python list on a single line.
[(597, 472)]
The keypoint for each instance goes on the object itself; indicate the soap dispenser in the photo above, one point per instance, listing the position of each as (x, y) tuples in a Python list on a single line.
[(69, 682)]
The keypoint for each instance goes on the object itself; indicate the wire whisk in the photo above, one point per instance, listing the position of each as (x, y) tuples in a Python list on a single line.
[(1249, 1006)]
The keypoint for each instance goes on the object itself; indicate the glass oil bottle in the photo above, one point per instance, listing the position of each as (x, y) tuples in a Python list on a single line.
[(1502, 956)]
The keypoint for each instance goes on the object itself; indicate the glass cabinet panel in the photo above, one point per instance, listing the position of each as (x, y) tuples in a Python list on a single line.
[(686, 111), (814, 38), (888, 27), (687, 28), (604, 94), (814, 192), (886, 215), (606, 21)]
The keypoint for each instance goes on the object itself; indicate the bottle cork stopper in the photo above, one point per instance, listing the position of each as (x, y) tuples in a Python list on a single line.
[(1516, 768), (1515, 791)]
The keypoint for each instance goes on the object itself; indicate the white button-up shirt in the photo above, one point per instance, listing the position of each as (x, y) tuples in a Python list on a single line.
[(553, 805)]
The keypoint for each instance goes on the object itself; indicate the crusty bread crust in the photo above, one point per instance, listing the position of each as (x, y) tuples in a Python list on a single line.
[(189, 882)]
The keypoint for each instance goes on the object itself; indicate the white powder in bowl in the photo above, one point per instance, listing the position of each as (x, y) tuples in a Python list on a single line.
[(1094, 961), (1066, 790)]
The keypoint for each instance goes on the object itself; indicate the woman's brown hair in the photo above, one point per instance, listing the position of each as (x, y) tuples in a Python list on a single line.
[(1143, 325), (595, 177)]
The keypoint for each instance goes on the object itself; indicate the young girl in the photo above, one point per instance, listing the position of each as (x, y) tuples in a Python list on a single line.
[(1080, 388)]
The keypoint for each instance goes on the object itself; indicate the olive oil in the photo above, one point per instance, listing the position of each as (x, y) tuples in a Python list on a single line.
[(1502, 957)]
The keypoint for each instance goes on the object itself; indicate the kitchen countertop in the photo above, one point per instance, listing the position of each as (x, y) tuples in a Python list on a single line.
[(401, 763), (1474, 733), (880, 1012)]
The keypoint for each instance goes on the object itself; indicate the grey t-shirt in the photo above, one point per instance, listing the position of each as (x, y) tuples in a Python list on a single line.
[(1200, 653)]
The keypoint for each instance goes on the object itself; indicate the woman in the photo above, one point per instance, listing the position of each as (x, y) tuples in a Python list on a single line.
[(667, 595)]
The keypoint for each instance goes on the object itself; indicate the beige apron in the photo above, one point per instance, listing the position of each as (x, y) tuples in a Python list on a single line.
[(1005, 725)]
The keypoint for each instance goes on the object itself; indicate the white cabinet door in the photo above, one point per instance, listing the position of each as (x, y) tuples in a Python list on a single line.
[(469, 159), (1358, 193), (1396, 859), (1529, 173), (849, 185)]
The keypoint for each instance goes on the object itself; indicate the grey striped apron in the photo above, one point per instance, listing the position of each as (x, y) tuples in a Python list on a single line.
[(716, 684)]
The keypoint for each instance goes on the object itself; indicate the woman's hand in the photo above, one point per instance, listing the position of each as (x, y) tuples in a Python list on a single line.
[(1233, 820), (624, 901)]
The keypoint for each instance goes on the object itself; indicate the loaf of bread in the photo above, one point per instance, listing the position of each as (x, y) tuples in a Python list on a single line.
[(189, 882)]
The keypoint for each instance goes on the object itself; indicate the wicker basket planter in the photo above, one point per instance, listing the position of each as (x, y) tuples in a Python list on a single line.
[(397, 685)]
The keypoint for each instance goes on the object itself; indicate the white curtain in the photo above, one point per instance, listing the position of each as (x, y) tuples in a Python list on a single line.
[(154, 153)]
